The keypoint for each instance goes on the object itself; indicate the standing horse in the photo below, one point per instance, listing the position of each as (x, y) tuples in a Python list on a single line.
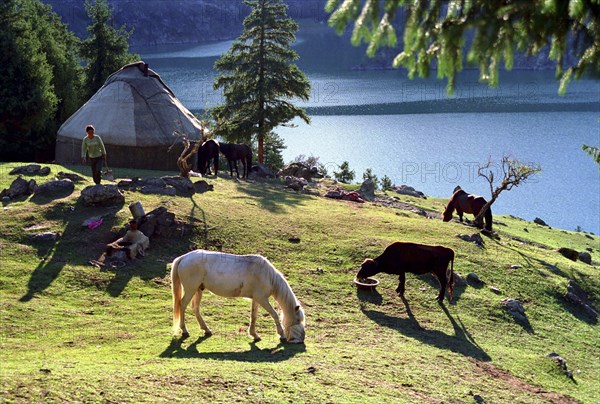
[(235, 152), (467, 203), (228, 275), (209, 150)]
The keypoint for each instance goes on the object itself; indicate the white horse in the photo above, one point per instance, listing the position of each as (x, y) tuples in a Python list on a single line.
[(229, 275)]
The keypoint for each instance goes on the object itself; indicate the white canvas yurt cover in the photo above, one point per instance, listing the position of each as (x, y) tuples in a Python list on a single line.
[(135, 114)]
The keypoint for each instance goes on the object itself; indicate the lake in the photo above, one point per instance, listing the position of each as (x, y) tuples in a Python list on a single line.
[(413, 132)]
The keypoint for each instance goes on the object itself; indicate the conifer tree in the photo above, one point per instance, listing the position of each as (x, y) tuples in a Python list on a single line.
[(437, 32), (106, 50), (258, 77)]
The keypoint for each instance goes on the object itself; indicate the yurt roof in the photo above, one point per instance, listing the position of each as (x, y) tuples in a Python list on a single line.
[(134, 107)]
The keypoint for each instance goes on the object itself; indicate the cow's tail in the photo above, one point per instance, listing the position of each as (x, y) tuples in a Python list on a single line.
[(176, 289), (451, 277)]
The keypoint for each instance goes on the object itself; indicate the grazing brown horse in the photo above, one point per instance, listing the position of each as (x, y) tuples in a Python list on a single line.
[(467, 203)]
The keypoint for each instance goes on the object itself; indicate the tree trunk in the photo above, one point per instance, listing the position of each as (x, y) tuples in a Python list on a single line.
[(479, 218)]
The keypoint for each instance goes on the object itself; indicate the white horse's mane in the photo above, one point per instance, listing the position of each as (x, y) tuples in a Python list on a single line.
[(282, 292)]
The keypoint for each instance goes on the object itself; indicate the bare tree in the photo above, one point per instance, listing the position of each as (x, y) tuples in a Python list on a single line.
[(190, 147), (513, 174)]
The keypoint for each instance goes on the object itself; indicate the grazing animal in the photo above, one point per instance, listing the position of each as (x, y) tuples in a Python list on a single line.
[(229, 275), (209, 150), (467, 203), (235, 152), (399, 258)]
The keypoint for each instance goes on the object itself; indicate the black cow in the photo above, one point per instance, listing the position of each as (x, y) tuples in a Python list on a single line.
[(399, 258)]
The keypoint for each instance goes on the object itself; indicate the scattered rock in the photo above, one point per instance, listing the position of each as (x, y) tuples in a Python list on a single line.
[(473, 279), (46, 236), (586, 257), (576, 295), (539, 221), (569, 253), (294, 240), (103, 195), (343, 195), (515, 267), (473, 238), (161, 223), (515, 308), (203, 186), (478, 398), (459, 280), (558, 359), (54, 188), (5, 199), (295, 183), (495, 290), (72, 176), (298, 170), (588, 236), (262, 171), (525, 230), (30, 169), (367, 189), (183, 186), (407, 190), (19, 187)]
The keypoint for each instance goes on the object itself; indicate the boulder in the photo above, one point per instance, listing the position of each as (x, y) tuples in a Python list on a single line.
[(459, 280), (569, 253), (103, 195), (295, 183), (30, 169), (157, 190), (539, 221), (203, 186), (514, 308), (586, 257), (410, 191), (576, 295), (473, 238), (55, 188), (47, 236), (262, 171), (72, 176), (473, 279), (298, 170), (367, 189), (184, 186), (19, 187)]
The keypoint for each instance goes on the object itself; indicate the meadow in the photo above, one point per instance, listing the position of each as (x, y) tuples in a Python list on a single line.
[(75, 332)]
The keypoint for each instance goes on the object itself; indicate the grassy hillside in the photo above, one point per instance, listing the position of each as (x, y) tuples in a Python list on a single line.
[(70, 331)]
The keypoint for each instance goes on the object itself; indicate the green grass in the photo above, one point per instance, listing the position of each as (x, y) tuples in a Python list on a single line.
[(72, 332)]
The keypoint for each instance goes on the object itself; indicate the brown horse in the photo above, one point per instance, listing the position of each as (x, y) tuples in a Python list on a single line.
[(467, 203)]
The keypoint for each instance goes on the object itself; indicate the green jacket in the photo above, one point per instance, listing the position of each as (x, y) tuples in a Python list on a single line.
[(93, 147)]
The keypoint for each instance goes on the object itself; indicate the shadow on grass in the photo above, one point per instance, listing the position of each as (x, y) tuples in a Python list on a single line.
[(270, 197), (280, 352), (576, 310), (70, 243), (461, 342)]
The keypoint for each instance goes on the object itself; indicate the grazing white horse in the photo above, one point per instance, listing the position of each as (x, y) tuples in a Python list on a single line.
[(229, 275)]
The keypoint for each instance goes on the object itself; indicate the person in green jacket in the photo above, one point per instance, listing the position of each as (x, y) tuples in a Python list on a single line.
[(92, 148)]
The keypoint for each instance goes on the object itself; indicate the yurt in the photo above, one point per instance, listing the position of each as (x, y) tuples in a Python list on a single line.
[(135, 114)]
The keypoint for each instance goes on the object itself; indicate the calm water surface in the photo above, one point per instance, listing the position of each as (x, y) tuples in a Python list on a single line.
[(413, 132)]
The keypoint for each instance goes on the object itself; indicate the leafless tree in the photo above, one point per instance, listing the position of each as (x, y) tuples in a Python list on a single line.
[(513, 174), (190, 147)]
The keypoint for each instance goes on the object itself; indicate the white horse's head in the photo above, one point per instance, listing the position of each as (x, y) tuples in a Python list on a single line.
[(293, 326)]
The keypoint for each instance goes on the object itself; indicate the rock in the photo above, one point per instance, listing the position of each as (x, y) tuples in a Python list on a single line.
[(184, 186), (19, 187), (539, 221), (72, 176), (586, 257), (410, 191), (459, 280), (103, 195), (5, 199), (367, 189), (57, 187), (478, 398), (298, 170), (46, 236), (295, 183), (30, 169), (569, 253), (558, 359), (334, 193), (156, 190), (515, 267), (473, 238), (125, 183), (576, 295), (294, 240), (203, 186), (473, 279), (262, 171), (515, 308), (495, 290)]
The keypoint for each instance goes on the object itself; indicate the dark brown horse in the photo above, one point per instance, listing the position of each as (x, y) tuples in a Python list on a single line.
[(235, 152), (209, 150), (467, 203)]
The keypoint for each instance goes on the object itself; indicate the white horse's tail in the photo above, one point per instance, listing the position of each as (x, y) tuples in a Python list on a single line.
[(176, 289)]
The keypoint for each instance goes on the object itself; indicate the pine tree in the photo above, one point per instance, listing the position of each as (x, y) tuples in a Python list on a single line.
[(258, 77), (27, 93), (106, 50), (436, 32)]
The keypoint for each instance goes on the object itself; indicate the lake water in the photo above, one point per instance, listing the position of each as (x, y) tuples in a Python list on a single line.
[(413, 132)]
